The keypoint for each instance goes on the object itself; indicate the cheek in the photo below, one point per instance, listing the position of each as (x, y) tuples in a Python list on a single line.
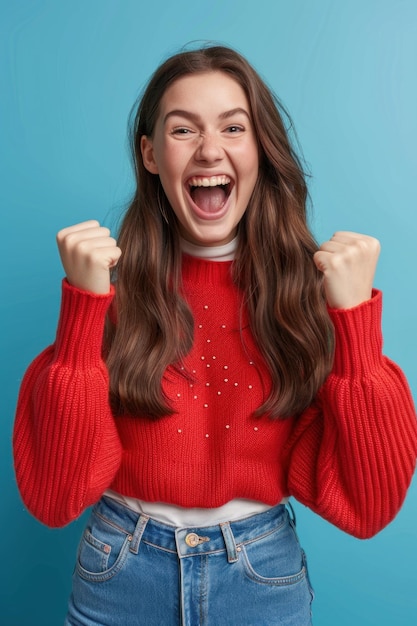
[(250, 174), (171, 166), (171, 176), (248, 157)]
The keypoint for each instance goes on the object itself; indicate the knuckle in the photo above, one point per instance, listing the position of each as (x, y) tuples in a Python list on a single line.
[(82, 247), (336, 261), (70, 239), (376, 244), (361, 245), (63, 236), (369, 245), (84, 251), (95, 255)]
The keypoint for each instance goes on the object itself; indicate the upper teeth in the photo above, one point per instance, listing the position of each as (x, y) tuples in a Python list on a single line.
[(209, 182)]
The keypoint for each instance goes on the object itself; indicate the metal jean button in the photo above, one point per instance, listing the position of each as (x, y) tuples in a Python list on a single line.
[(193, 540)]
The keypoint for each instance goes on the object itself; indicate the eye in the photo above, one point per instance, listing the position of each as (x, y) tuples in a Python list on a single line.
[(181, 131), (234, 128)]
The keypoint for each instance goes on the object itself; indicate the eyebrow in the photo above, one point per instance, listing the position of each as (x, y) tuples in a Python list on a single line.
[(194, 117)]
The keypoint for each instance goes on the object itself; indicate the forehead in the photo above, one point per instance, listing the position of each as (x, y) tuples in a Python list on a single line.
[(208, 91)]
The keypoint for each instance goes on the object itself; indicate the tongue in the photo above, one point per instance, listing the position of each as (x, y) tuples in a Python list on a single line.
[(209, 199)]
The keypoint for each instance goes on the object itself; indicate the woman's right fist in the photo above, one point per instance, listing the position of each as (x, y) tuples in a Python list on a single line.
[(88, 253)]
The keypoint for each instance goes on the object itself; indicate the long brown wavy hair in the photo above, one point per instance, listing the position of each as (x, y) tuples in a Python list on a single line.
[(273, 266)]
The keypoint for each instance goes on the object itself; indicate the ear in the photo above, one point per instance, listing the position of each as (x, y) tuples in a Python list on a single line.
[(146, 147)]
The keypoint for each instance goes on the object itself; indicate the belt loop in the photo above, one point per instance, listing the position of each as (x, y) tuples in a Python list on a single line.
[(293, 519), (137, 535), (229, 541)]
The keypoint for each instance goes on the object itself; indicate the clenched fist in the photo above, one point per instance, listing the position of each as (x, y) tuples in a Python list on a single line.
[(88, 252), (348, 262)]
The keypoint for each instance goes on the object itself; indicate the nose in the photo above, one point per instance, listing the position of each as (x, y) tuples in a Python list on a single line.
[(209, 148)]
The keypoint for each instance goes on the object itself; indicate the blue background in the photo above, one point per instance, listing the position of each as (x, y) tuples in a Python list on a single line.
[(70, 72)]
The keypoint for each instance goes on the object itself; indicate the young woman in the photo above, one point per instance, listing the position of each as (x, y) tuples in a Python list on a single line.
[(232, 364)]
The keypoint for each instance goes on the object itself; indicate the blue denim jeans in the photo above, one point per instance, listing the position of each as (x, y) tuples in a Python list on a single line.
[(133, 570)]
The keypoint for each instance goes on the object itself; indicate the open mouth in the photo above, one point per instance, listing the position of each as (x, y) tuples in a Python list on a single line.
[(210, 194)]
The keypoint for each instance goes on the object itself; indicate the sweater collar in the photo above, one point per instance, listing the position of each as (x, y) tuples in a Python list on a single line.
[(225, 252)]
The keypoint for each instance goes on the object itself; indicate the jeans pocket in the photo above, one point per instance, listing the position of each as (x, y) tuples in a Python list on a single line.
[(276, 559), (103, 549)]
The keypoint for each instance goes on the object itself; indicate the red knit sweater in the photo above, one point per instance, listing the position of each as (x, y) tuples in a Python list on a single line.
[(350, 456)]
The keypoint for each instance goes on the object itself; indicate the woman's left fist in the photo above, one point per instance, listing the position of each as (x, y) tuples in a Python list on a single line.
[(348, 262)]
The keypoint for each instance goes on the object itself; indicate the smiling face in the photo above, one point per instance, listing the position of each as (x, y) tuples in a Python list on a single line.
[(205, 152)]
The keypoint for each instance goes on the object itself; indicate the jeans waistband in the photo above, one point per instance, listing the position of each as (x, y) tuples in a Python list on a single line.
[(192, 541)]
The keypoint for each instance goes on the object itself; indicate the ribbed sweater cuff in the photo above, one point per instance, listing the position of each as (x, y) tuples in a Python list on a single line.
[(358, 336), (81, 326)]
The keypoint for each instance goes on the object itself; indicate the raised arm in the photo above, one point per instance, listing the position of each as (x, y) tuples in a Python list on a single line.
[(66, 445), (352, 455)]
